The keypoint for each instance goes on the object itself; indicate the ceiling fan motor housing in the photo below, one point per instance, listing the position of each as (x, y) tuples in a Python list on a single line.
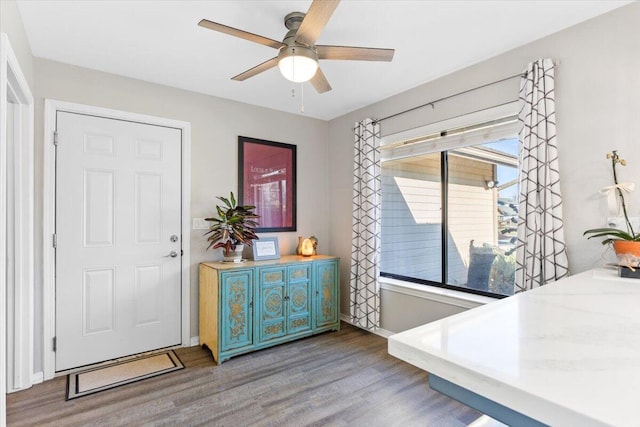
[(298, 50), (296, 61), (293, 20)]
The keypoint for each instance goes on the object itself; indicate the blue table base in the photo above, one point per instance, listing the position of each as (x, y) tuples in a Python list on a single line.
[(482, 404)]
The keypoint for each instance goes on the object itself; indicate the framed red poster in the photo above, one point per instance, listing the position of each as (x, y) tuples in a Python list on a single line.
[(267, 180)]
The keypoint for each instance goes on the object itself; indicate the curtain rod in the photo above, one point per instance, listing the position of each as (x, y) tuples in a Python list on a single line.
[(432, 103)]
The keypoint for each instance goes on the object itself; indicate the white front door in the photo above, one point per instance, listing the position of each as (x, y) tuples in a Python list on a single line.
[(118, 238)]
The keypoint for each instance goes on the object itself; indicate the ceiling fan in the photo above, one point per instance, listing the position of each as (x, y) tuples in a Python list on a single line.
[(298, 54)]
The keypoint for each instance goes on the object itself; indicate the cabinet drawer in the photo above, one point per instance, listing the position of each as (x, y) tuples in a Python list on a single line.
[(299, 273), (271, 276)]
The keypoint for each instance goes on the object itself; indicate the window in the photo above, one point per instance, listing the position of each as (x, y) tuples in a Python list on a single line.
[(449, 217)]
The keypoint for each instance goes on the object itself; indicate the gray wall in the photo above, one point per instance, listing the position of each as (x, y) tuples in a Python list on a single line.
[(395, 308), (215, 126), (598, 109), (11, 23)]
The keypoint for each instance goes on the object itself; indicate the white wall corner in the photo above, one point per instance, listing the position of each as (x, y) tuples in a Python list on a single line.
[(195, 341), (17, 252), (378, 331)]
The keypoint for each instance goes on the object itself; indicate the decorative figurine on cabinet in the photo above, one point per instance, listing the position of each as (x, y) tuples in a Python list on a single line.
[(308, 246)]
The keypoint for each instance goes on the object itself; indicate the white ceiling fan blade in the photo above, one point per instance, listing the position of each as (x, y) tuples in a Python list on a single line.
[(320, 82), (266, 65), (314, 22), (240, 33), (353, 53)]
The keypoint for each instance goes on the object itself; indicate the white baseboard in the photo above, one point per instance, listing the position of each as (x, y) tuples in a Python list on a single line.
[(384, 333), (195, 341), (378, 331), (37, 377)]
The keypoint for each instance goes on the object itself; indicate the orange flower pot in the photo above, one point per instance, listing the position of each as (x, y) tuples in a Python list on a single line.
[(627, 253)]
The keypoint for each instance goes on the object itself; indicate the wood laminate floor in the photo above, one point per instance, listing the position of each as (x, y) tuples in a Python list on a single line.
[(343, 378)]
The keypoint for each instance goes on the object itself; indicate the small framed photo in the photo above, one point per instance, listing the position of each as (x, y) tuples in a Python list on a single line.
[(266, 248)]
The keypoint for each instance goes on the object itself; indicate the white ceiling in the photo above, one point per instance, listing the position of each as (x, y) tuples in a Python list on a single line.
[(160, 42)]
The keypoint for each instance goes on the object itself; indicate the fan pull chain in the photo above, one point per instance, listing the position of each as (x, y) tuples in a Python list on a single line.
[(293, 96)]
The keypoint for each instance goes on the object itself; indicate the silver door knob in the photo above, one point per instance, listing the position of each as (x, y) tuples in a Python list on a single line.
[(172, 254)]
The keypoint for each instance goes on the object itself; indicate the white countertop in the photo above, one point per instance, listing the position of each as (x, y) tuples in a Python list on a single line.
[(565, 354)]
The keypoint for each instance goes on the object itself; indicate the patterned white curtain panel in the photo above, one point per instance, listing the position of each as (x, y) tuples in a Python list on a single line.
[(541, 255), (365, 249)]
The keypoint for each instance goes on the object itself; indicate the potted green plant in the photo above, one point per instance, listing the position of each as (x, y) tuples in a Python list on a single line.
[(626, 243), (233, 228)]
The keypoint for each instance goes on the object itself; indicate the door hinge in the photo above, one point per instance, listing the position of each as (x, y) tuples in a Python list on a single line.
[(181, 252), (54, 241), (55, 138), (55, 343)]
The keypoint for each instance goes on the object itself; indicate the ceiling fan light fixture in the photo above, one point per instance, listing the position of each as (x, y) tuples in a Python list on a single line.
[(297, 63)]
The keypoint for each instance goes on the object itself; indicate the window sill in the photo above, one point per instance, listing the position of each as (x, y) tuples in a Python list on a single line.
[(433, 293)]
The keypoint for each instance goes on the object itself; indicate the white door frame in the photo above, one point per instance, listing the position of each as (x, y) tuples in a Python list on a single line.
[(18, 252), (51, 107)]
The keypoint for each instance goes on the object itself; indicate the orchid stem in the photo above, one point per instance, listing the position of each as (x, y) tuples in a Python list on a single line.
[(615, 159)]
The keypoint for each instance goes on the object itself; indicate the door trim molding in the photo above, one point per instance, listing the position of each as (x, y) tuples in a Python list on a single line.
[(16, 253), (51, 107)]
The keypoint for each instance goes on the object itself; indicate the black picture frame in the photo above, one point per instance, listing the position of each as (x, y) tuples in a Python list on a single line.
[(267, 180)]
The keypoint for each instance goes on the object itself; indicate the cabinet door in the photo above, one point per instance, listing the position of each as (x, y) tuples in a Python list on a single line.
[(299, 298), (271, 315), (326, 290), (237, 309)]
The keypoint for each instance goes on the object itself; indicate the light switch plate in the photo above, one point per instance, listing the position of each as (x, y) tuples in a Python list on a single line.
[(199, 224)]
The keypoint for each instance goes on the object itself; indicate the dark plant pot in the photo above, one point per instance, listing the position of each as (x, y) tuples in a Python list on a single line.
[(627, 253)]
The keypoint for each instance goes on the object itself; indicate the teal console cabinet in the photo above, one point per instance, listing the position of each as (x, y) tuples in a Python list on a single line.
[(257, 304)]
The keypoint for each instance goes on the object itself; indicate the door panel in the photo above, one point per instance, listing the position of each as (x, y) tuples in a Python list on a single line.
[(272, 299), (148, 215), (118, 202), (98, 207), (237, 308), (326, 293), (98, 288), (299, 293), (148, 307)]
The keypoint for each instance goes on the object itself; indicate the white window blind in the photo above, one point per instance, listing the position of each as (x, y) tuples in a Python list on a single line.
[(472, 129)]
